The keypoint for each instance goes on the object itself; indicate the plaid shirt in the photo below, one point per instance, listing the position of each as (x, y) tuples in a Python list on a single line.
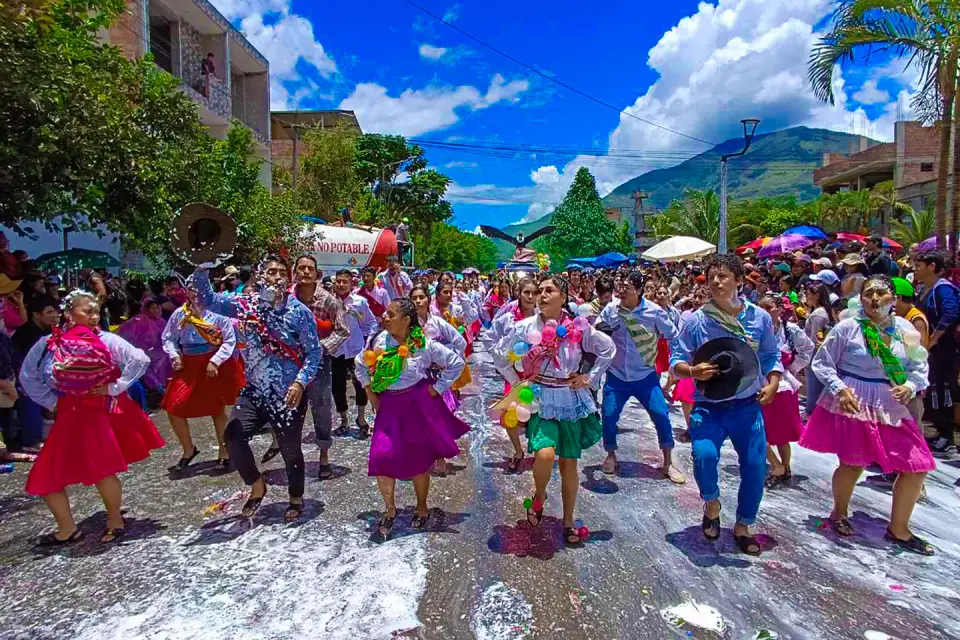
[(327, 307)]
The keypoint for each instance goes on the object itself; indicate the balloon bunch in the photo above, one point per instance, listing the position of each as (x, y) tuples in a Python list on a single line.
[(521, 409), (543, 261), (911, 342)]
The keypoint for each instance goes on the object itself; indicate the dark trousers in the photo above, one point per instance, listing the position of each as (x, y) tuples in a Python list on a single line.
[(249, 418), (943, 392), (343, 371)]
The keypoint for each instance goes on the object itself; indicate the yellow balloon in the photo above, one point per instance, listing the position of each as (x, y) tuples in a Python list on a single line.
[(510, 419)]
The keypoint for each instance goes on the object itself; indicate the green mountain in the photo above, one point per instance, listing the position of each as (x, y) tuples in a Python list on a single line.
[(777, 164)]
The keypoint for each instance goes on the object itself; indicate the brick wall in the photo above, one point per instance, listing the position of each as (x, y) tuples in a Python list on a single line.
[(918, 148), (127, 31), (283, 153)]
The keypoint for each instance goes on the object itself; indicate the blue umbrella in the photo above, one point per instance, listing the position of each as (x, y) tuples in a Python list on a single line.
[(806, 231), (612, 259)]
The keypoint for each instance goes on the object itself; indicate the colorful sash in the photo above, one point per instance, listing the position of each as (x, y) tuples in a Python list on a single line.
[(876, 348), (643, 338), (545, 352), (729, 322), (210, 332), (388, 367), (375, 306)]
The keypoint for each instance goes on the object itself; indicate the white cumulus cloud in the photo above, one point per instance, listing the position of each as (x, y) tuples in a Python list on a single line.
[(418, 111), (431, 52), (730, 60), (869, 93), (285, 39)]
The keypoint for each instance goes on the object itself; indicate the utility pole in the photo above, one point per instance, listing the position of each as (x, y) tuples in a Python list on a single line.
[(639, 227), (296, 135), (747, 139)]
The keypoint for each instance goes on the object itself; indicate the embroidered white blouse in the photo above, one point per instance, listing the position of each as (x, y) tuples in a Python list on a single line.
[(803, 348), (559, 403), (36, 375), (443, 332), (417, 365)]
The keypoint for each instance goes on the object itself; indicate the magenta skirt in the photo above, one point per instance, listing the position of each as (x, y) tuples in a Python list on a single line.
[(781, 419), (858, 443), (684, 390), (413, 430)]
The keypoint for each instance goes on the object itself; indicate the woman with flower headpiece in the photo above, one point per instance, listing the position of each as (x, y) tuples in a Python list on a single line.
[(544, 351), (207, 376), (872, 365), (404, 374), (84, 374)]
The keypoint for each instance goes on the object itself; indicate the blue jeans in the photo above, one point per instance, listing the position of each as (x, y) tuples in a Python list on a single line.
[(138, 394), (648, 393), (710, 425), (31, 420)]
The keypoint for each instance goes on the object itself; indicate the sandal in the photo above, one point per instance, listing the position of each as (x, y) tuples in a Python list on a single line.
[(913, 545), (112, 534), (571, 537), (363, 431), (514, 465), (185, 461), (251, 506), (222, 464), (748, 544), (531, 505), (51, 539), (341, 431), (419, 521), (772, 481), (710, 523), (843, 527), (294, 511), (271, 453), (325, 472), (385, 526)]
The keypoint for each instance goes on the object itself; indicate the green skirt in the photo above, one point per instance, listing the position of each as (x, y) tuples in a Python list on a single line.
[(569, 439)]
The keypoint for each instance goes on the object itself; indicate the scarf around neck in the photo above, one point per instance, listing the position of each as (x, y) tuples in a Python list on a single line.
[(729, 322), (878, 349), (207, 330), (388, 366)]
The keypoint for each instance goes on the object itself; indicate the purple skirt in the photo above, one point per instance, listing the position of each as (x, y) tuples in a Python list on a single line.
[(412, 431)]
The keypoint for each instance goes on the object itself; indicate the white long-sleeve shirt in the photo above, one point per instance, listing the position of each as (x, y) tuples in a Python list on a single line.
[(844, 351), (179, 341), (803, 349), (360, 323), (436, 328), (36, 375), (417, 365)]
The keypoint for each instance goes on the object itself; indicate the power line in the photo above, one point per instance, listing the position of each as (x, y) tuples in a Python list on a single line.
[(552, 79)]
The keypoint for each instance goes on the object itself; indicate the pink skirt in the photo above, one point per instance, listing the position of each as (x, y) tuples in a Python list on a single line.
[(781, 419), (684, 390)]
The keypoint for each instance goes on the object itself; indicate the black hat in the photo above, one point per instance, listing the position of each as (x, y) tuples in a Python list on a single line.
[(738, 367)]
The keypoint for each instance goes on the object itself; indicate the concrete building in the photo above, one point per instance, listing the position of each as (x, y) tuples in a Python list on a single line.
[(911, 161), (180, 34), (286, 127)]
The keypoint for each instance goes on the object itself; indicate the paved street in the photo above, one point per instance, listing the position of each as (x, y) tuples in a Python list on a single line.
[(646, 572)]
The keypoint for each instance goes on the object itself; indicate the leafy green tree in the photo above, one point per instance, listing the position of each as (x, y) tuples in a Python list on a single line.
[(582, 226), (327, 179), (697, 216), (779, 220), (916, 227), (450, 248)]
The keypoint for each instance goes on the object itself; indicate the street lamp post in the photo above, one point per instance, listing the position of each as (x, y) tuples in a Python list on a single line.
[(747, 139)]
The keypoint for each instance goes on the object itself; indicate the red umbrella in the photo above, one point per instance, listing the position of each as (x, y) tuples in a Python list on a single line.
[(756, 245), (856, 237)]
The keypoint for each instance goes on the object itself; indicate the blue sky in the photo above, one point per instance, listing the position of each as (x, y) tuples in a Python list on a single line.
[(694, 68)]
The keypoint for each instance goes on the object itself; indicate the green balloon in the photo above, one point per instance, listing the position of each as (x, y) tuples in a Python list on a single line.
[(526, 396)]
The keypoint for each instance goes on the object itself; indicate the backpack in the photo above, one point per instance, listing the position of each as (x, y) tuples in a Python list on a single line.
[(81, 361)]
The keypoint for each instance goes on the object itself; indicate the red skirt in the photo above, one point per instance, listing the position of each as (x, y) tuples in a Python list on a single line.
[(663, 356), (88, 443), (191, 394)]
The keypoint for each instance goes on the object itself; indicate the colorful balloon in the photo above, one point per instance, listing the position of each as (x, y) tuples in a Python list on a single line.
[(561, 331), (403, 351), (549, 334), (580, 323), (526, 395), (527, 503), (521, 348), (369, 358), (534, 337), (523, 413), (576, 336), (583, 533), (510, 419)]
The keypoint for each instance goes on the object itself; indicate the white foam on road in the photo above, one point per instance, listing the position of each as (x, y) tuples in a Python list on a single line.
[(501, 614), (692, 613), (274, 582)]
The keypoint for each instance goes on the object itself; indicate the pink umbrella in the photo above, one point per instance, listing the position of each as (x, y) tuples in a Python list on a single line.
[(786, 243)]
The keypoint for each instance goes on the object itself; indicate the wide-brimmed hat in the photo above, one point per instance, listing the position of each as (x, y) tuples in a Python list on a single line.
[(202, 233), (737, 363), (851, 259), (7, 285), (754, 277)]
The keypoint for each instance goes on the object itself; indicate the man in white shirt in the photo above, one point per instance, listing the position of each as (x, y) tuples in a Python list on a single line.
[(361, 323)]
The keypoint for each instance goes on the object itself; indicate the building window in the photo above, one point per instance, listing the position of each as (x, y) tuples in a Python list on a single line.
[(926, 167), (160, 46)]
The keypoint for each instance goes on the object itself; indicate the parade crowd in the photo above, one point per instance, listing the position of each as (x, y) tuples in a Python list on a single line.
[(840, 349)]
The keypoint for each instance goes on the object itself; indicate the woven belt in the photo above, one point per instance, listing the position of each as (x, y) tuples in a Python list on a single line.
[(550, 381)]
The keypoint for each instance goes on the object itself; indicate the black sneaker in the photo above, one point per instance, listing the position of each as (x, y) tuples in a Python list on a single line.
[(882, 479)]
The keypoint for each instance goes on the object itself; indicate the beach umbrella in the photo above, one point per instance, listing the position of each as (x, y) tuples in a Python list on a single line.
[(75, 259), (807, 231), (786, 243), (679, 248), (931, 243), (756, 245)]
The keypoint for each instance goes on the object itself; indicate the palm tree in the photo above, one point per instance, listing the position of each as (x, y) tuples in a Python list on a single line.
[(697, 215), (919, 226), (887, 205), (927, 34)]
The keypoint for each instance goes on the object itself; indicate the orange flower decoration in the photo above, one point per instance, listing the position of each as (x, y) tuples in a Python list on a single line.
[(403, 351)]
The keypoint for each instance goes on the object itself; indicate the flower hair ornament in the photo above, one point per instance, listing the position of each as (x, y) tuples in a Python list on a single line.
[(71, 299)]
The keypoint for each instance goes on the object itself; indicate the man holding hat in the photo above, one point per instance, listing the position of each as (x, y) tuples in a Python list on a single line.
[(729, 348)]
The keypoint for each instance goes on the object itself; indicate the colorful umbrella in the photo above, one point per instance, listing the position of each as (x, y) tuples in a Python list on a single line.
[(930, 243), (856, 237), (75, 259), (807, 231), (756, 245), (784, 244)]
